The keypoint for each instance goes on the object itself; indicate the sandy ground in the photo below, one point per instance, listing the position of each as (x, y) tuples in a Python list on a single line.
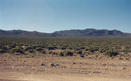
[(64, 69), (57, 77)]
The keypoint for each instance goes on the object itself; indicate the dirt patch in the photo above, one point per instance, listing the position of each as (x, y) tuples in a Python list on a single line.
[(64, 69), (9, 80)]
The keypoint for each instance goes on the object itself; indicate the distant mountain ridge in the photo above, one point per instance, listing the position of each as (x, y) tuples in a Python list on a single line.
[(23, 33), (66, 33), (89, 32)]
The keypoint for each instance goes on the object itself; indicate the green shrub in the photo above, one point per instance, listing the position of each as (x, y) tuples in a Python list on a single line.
[(112, 53), (69, 53), (52, 48), (61, 54), (79, 52), (3, 51)]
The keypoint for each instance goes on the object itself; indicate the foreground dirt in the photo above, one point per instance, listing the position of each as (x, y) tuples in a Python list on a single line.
[(64, 69), (58, 77)]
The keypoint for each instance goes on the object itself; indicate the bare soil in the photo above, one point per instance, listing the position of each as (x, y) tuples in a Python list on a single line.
[(64, 69)]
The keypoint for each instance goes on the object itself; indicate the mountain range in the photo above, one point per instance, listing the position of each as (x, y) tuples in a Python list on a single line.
[(66, 33)]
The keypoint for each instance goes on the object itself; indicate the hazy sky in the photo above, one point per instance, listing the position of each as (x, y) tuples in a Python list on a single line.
[(52, 15)]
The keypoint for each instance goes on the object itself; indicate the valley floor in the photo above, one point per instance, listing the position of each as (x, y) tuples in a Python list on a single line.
[(64, 69)]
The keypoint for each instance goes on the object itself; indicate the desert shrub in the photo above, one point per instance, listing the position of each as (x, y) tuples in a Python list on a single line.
[(2, 51), (43, 52), (70, 48), (17, 50), (79, 52), (102, 50), (50, 52), (93, 49), (1, 46), (28, 49), (61, 54), (77, 49), (4, 48), (54, 53), (52, 48), (31, 50), (69, 53), (82, 55), (111, 53), (13, 45), (63, 48), (82, 48), (127, 50), (75, 45), (13, 50), (39, 49)]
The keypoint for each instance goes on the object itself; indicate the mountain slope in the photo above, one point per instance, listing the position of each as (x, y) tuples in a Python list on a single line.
[(90, 33), (21, 33), (66, 33)]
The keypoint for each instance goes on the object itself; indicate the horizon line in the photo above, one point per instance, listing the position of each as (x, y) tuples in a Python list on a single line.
[(60, 30)]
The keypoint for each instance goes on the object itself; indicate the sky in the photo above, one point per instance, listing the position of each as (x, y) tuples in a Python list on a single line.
[(54, 15)]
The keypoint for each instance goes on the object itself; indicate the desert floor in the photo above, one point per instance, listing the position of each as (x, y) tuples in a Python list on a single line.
[(64, 69)]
